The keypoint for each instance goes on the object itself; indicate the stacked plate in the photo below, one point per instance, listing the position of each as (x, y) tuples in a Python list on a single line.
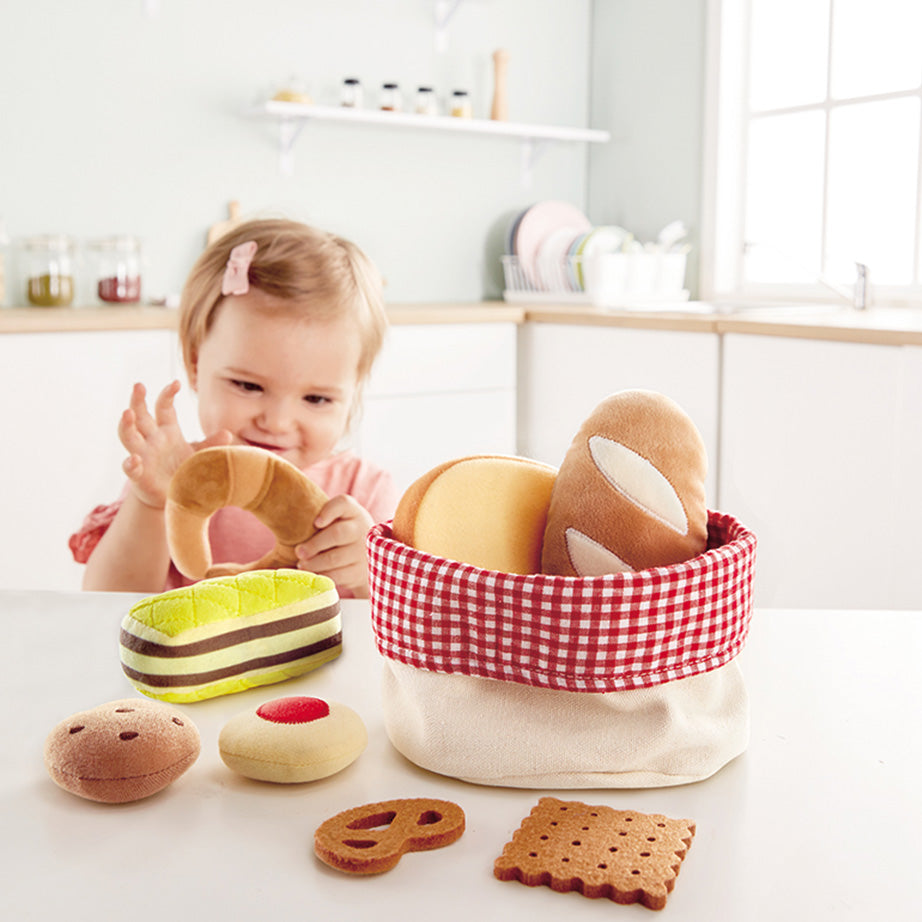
[(555, 255), (549, 243)]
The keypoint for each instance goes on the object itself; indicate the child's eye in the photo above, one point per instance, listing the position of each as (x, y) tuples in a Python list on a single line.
[(246, 385), (317, 400)]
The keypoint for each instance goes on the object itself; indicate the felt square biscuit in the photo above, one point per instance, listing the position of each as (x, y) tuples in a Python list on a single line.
[(623, 855)]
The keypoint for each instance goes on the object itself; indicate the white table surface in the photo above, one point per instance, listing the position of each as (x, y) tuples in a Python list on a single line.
[(820, 819)]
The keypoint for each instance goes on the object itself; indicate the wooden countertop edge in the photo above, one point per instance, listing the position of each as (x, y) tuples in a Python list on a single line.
[(474, 312), (85, 320), (835, 328), (831, 332), (95, 319)]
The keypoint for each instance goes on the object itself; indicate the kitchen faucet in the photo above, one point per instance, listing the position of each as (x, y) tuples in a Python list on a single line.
[(861, 287), (859, 295)]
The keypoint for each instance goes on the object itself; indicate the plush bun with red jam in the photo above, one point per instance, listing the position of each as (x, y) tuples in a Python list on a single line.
[(291, 740)]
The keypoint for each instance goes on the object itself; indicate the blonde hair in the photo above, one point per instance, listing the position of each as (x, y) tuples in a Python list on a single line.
[(322, 276)]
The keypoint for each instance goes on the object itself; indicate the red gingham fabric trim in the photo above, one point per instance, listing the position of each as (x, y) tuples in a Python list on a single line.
[(599, 634)]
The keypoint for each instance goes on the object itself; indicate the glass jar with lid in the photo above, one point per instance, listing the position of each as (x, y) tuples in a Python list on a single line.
[(461, 104), (48, 266), (352, 93), (426, 103), (115, 269), (390, 97)]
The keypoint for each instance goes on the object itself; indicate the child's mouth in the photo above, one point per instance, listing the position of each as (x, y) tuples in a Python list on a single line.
[(264, 445)]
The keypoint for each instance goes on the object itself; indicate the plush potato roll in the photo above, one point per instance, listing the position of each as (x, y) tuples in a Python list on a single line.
[(121, 751)]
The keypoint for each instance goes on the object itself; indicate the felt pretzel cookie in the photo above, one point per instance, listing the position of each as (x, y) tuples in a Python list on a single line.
[(263, 483), (372, 838)]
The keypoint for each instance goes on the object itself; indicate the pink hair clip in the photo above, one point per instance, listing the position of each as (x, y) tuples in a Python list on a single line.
[(236, 276)]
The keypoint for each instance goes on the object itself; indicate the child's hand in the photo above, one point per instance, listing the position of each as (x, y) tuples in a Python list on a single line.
[(337, 549), (155, 444)]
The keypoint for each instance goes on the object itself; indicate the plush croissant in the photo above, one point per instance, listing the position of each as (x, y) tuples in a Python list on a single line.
[(630, 492), (270, 487)]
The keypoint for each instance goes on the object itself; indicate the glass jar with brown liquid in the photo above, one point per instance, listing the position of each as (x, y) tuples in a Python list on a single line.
[(48, 263)]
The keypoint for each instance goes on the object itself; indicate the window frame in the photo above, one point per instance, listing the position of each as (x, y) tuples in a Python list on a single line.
[(724, 157)]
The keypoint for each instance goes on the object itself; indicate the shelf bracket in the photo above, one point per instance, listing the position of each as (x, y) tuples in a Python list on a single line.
[(289, 129), (444, 10), (532, 148)]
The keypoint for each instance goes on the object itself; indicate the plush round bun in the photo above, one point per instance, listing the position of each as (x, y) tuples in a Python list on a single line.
[(485, 510), (291, 740), (630, 492), (121, 751)]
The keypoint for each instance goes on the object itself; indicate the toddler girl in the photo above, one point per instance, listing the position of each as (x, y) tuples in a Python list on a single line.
[(279, 326)]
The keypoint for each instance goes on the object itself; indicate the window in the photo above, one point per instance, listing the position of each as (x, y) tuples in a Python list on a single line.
[(814, 153)]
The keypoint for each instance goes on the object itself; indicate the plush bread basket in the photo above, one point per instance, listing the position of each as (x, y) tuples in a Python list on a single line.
[(623, 680)]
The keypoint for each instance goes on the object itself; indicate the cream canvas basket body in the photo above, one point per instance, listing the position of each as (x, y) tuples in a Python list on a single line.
[(623, 680)]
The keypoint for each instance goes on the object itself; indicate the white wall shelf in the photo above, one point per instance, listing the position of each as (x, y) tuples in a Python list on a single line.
[(292, 117)]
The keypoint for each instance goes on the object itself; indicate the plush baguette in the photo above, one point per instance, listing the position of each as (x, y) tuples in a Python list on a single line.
[(630, 492), (230, 633), (485, 510)]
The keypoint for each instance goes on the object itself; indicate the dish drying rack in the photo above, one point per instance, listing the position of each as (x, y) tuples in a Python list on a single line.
[(631, 280)]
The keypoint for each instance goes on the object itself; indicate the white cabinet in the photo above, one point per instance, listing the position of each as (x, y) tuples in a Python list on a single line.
[(566, 369), (815, 445), (821, 455), (907, 546), (438, 392), (61, 400)]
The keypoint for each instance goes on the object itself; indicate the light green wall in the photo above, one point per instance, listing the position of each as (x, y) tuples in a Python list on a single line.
[(116, 122), (647, 89)]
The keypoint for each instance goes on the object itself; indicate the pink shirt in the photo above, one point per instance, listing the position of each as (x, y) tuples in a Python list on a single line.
[(238, 536)]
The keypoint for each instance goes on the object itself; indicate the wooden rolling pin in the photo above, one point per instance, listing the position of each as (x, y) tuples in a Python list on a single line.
[(500, 109), (220, 228)]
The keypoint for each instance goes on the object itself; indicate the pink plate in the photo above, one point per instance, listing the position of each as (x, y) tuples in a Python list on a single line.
[(539, 222)]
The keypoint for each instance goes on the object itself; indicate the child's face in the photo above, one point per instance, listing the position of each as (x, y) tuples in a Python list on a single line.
[(276, 381)]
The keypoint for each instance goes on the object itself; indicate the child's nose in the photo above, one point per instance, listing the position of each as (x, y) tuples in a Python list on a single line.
[(276, 415)]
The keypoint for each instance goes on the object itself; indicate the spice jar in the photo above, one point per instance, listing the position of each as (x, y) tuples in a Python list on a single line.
[(426, 103), (352, 93), (48, 269), (390, 97), (461, 104), (115, 265)]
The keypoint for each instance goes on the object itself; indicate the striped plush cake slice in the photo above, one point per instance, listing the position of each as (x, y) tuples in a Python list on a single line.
[(230, 633)]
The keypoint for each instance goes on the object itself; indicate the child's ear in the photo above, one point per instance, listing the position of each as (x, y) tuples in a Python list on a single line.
[(192, 373)]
